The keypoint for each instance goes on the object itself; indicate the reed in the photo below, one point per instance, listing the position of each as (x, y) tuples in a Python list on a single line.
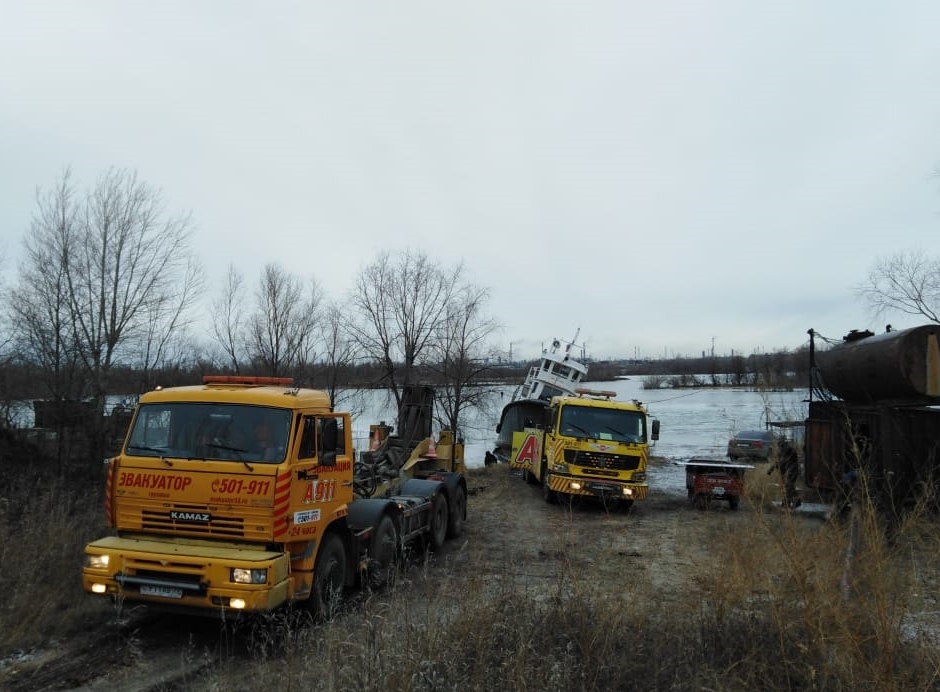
[(780, 603)]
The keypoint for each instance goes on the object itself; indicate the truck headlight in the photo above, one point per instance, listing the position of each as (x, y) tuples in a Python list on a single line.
[(560, 468), (97, 561), (640, 476), (249, 576)]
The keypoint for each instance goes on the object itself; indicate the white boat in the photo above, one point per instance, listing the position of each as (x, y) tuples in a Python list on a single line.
[(557, 373)]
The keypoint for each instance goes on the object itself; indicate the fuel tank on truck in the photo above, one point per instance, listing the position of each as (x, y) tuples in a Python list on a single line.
[(897, 366)]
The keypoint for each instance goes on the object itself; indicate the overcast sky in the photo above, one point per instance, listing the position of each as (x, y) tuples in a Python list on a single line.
[(665, 176)]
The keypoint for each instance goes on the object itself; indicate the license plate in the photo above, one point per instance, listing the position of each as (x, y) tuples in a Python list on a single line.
[(718, 490), (161, 591)]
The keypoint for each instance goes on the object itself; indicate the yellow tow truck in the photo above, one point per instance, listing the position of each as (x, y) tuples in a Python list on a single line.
[(590, 445), (245, 493)]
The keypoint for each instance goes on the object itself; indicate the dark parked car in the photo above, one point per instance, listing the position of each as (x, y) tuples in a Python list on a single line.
[(751, 444)]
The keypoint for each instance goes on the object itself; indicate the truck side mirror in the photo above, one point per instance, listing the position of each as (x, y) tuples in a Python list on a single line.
[(655, 434)]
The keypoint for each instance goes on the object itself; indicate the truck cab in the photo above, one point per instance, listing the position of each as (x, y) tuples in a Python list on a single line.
[(239, 494), (588, 445)]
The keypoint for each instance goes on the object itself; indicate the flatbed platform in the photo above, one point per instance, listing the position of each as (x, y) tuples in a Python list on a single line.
[(714, 463)]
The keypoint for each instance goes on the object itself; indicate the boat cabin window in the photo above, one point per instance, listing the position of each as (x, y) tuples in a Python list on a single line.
[(548, 392)]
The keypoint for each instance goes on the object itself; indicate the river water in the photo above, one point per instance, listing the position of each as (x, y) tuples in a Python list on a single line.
[(694, 422)]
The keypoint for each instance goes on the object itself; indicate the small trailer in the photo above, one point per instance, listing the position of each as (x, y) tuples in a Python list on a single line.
[(708, 480)]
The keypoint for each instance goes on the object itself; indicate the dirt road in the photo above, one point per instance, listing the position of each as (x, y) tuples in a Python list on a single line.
[(515, 533), (512, 537)]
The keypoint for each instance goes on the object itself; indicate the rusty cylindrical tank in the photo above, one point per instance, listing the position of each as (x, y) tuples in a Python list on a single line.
[(898, 366)]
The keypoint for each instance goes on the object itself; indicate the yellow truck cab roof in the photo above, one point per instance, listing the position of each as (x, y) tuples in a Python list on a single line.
[(259, 391), (598, 400)]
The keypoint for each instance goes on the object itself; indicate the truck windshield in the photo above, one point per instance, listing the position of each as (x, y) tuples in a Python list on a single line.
[(603, 424), (210, 431)]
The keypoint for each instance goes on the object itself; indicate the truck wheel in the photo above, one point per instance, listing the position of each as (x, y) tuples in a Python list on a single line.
[(439, 516), (383, 552), (547, 493), (458, 510), (329, 576), (733, 501)]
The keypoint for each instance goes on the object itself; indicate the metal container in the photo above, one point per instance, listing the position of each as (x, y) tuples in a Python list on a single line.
[(898, 366)]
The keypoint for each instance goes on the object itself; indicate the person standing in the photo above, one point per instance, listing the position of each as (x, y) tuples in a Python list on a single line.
[(787, 461)]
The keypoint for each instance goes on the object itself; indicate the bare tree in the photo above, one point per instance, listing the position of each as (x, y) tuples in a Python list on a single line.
[(131, 276), (165, 339), (908, 282), (107, 278), (228, 319), (39, 306), (463, 350), (5, 332), (400, 303), (375, 332), (339, 350), (282, 331), (8, 393)]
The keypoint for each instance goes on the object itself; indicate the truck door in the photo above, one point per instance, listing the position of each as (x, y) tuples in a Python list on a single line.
[(321, 475)]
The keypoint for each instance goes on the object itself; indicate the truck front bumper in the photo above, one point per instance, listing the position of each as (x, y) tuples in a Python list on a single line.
[(176, 573), (594, 487)]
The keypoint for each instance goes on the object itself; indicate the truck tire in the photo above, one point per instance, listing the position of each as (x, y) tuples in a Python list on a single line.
[(329, 577), (383, 552), (458, 510), (438, 521), (547, 493)]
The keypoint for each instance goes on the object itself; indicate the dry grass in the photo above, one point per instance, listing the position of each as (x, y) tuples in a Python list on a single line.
[(770, 611), (777, 606), (45, 521), (779, 629)]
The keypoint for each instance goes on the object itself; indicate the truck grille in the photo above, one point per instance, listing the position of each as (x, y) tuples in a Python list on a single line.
[(192, 521), (601, 460)]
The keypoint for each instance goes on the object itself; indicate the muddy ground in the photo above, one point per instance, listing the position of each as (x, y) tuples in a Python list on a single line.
[(511, 534)]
